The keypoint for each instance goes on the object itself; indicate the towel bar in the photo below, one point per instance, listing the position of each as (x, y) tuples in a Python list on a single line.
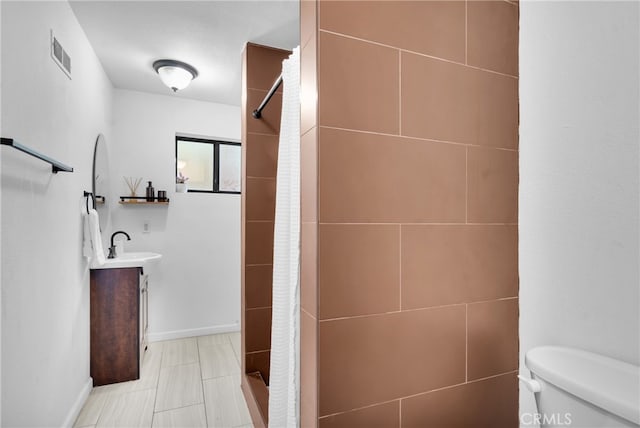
[(93, 200)]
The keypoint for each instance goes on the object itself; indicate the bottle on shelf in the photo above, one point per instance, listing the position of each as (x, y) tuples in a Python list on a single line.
[(150, 193)]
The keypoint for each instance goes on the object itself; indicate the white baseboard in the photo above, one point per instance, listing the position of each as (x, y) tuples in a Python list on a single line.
[(74, 411), (192, 332)]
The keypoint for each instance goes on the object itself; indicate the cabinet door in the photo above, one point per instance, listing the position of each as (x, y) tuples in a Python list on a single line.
[(115, 331)]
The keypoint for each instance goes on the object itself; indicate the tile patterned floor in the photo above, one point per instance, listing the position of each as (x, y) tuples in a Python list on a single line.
[(193, 382)]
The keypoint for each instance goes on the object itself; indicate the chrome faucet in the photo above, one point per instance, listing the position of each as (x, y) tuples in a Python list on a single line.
[(112, 248)]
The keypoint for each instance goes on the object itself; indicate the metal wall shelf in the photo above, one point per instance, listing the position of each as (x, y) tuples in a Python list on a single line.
[(55, 165), (142, 200)]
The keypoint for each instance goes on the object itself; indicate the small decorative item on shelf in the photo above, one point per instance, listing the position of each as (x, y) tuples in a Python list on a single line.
[(133, 184), (162, 195), (151, 194), (181, 183)]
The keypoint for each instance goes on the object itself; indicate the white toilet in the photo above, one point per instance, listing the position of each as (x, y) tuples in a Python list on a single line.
[(575, 388)]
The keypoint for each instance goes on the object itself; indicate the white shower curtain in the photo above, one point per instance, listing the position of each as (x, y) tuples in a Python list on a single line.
[(284, 384)]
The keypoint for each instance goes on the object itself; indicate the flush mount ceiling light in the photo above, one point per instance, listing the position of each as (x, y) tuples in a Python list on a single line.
[(175, 74)]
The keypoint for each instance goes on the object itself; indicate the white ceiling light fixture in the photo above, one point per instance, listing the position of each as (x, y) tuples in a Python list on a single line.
[(175, 74)]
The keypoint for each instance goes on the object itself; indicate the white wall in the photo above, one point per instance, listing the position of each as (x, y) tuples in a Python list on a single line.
[(45, 280), (1, 225), (195, 288), (579, 178)]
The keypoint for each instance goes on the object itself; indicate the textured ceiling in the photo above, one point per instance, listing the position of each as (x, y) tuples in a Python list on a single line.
[(128, 36)]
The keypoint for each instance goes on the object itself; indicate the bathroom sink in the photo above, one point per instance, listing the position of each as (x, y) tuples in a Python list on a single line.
[(134, 259)]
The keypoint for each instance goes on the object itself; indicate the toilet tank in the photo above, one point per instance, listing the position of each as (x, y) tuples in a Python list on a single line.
[(584, 390)]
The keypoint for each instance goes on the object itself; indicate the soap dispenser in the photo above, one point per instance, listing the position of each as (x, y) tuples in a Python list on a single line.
[(150, 193)]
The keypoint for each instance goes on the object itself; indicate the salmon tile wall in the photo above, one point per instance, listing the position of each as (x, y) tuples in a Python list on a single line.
[(409, 283), (262, 65)]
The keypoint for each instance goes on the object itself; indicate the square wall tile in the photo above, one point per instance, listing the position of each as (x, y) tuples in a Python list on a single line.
[(434, 265), (451, 102), (436, 99), (258, 242), (257, 329), (492, 177), (373, 359), (308, 85), (359, 269), (259, 362), (447, 264), (492, 39), (262, 155), (260, 199), (492, 262), (497, 112), (385, 415), (435, 28), (308, 21), (309, 176), (309, 268), (357, 85), (264, 65), (492, 338), (269, 123), (308, 370), (379, 178), (489, 403), (258, 286)]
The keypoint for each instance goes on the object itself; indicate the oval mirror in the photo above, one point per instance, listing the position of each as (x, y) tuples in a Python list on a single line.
[(101, 180)]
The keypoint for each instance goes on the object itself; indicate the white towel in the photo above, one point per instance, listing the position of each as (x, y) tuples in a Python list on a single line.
[(92, 246), (87, 248)]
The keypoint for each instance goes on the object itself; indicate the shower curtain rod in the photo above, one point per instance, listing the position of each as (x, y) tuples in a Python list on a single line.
[(257, 113)]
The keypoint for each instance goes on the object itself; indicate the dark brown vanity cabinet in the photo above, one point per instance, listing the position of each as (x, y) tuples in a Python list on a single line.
[(118, 324)]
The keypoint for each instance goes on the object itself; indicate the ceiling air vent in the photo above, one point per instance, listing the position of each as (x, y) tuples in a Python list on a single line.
[(60, 56)]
